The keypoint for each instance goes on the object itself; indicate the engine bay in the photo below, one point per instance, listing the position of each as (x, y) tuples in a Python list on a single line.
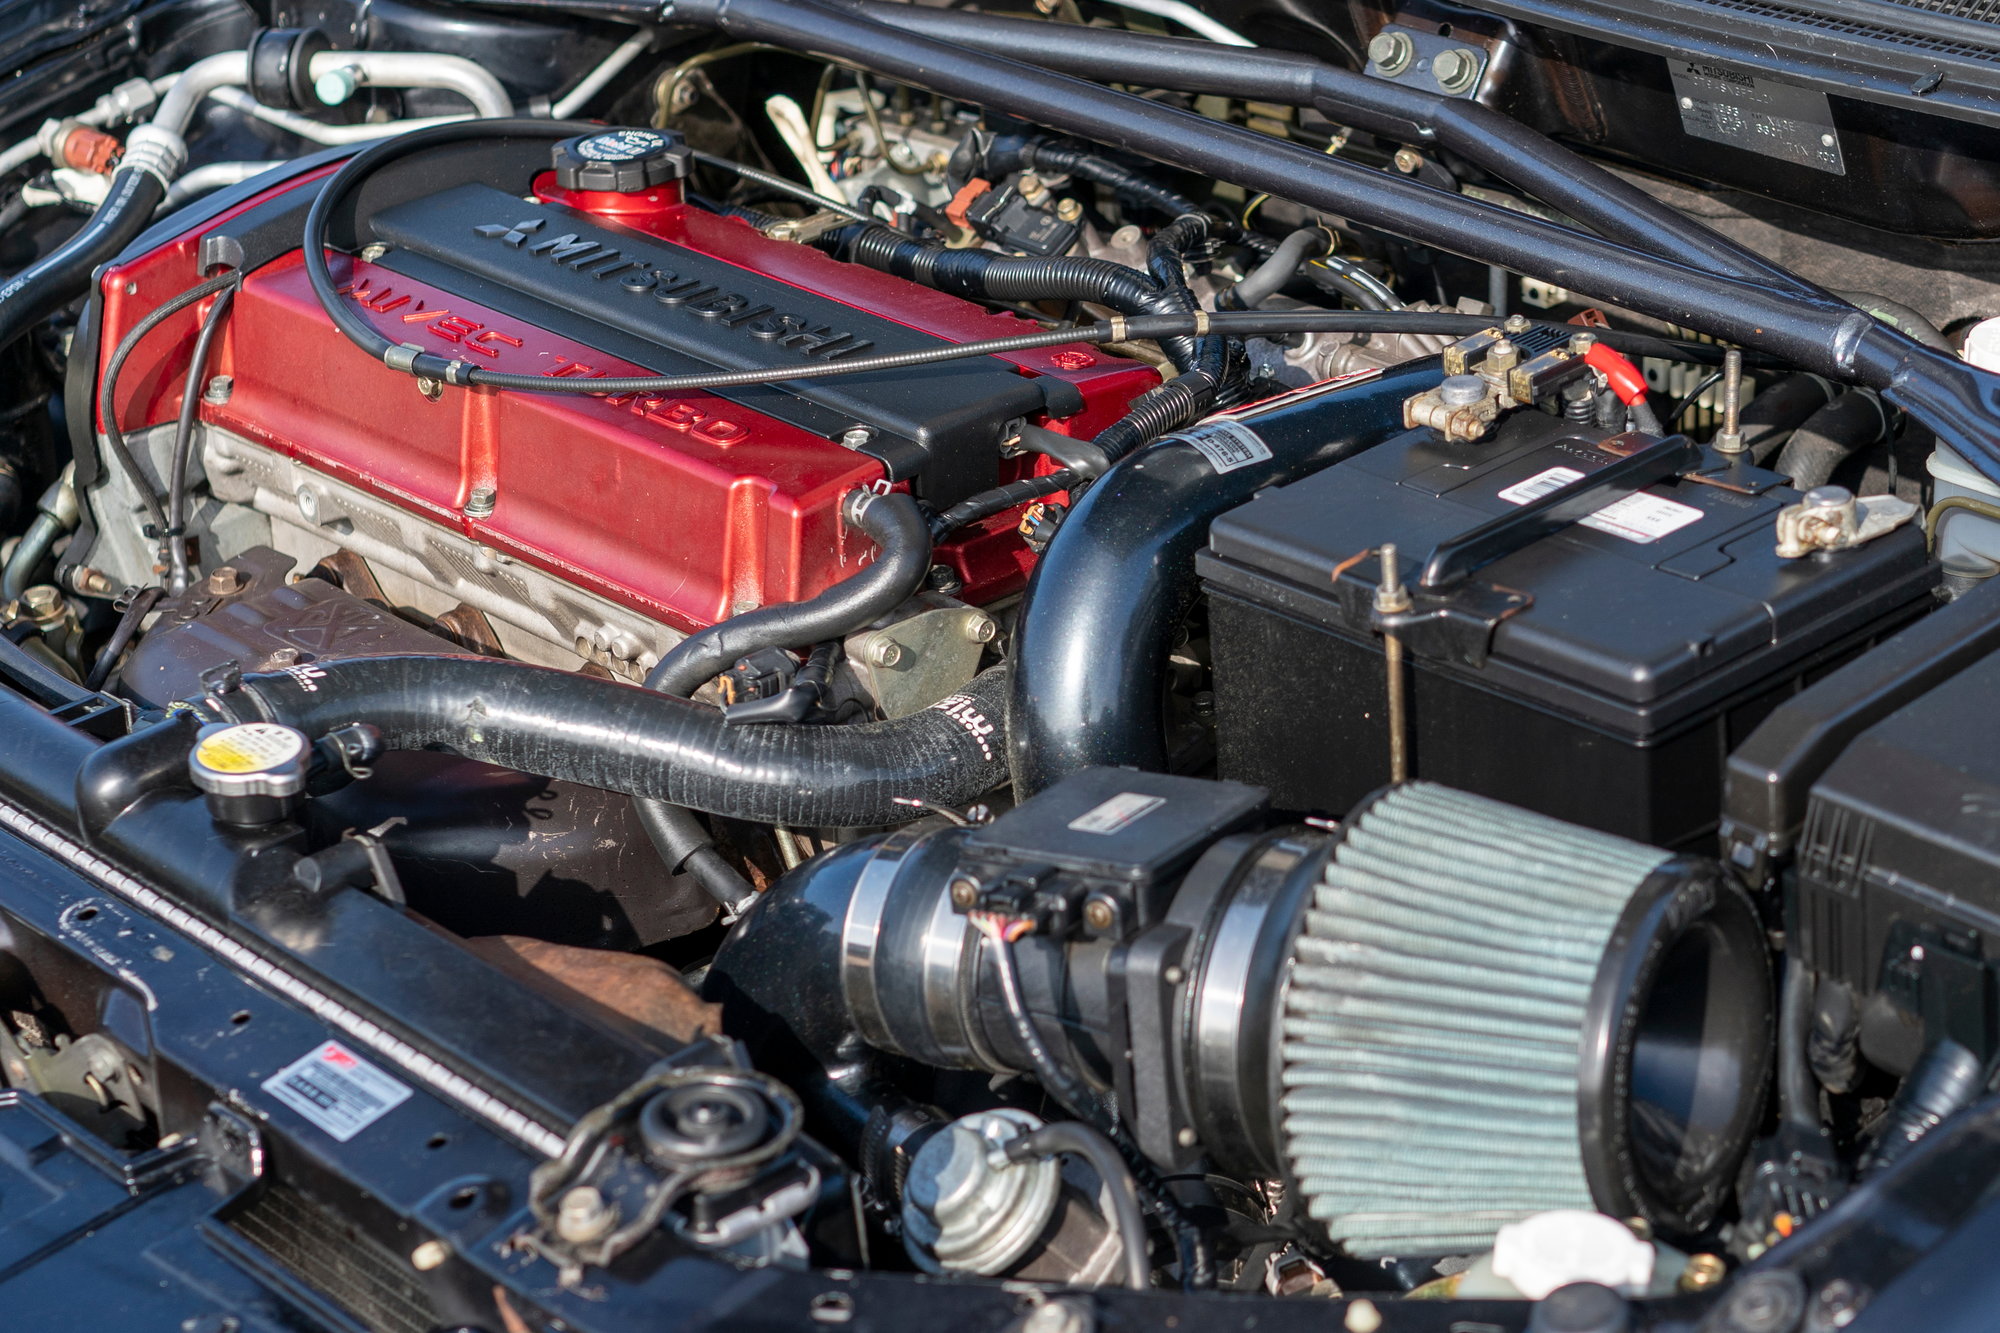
[(787, 663)]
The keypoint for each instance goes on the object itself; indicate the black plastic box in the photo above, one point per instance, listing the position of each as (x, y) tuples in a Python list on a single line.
[(1587, 675), (1898, 890)]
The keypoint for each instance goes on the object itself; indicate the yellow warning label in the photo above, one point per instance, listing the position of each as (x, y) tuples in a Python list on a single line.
[(251, 747)]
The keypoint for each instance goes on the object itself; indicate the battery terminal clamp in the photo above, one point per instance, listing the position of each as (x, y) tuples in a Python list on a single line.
[(1510, 365)]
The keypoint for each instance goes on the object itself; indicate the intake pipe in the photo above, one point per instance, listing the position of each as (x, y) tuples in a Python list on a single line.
[(625, 738), (1097, 622)]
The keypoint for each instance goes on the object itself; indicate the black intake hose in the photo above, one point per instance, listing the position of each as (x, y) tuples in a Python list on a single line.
[(52, 282), (903, 542), (1831, 436), (624, 738), (1096, 626), (1071, 160), (984, 275)]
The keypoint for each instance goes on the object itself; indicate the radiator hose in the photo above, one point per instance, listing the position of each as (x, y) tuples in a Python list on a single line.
[(52, 282), (1829, 437), (904, 543), (624, 738)]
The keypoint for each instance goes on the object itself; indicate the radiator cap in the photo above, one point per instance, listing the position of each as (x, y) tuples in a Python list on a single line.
[(252, 772)]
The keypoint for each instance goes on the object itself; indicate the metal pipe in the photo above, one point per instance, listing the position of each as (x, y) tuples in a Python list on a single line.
[(1810, 329), (420, 69)]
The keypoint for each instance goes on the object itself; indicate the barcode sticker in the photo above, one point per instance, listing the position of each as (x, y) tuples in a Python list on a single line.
[(1121, 811), (1639, 517), (337, 1090), (1227, 445)]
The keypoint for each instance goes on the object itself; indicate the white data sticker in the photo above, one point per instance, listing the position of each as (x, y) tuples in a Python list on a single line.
[(1227, 445), (1639, 517), (337, 1090), (1121, 811)]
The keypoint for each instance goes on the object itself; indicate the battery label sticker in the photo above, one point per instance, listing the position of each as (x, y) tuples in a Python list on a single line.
[(337, 1090), (1636, 518), (1121, 811), (1228, 446)]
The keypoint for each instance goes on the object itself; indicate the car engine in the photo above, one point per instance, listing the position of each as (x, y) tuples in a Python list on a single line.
[(1131, 664)]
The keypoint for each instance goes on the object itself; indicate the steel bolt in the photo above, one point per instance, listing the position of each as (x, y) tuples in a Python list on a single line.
[(1069, 210), (884, 652), (284, 657), (1517, 324), (981, 629), (431, 1254), (856, 437), (1031, 188), (481, 502), (944, 579), (1187, 1138), (1729, 439), (583, 1215), (1455, 70), (1837, 1304), (1392, 52), (218, 390), (226, 581), (1099, 915), (1702, 1272), (1409, 161), (964, 893)]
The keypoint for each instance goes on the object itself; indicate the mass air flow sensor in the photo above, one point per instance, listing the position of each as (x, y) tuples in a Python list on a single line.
[(1446, 1016)]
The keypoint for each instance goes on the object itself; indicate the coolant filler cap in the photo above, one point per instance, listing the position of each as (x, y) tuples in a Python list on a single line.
[(251, 772), (622, 161)]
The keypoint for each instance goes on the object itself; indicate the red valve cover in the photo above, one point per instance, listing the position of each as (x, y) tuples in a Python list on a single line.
[(687, 507)]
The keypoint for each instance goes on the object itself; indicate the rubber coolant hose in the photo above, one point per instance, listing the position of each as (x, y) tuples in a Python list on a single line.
[(625, 738), (1832, 435), (52, 282), (1096, 625), (903, 543)]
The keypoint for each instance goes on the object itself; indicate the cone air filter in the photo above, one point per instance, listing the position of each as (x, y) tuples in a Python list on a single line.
[(1492, 1013)]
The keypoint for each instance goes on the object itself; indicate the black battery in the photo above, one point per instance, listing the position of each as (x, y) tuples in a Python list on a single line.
[(1593, 654)]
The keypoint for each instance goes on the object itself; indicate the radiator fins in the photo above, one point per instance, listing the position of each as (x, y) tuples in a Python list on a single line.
[(1431, 1032)]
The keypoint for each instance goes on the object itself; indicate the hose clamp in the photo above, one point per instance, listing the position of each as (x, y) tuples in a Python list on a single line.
[(159, 152)]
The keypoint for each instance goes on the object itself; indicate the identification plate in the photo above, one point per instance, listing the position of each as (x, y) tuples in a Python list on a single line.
[(1747, 109)]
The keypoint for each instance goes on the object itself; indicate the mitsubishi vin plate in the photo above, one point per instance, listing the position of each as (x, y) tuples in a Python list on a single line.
[(1747, 109)]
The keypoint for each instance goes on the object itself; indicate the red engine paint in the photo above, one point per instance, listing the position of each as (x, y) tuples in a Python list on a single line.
[(686, 507)]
